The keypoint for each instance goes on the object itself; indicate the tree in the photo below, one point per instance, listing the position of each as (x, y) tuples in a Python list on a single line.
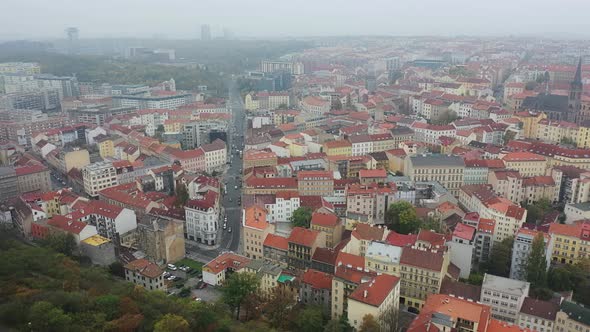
[(475, 279), (236, 288), (530, 85), (338, 325), (182, 195), (501, 258), (301, 217), (401, 217), (61, 242), (390, 320), (171, 323), (430, 223), (279, 306), (310, 320), (44, 316), (369, 324), (337, 105), (509, 135), (537, 210), (116, 269), (536, 267)]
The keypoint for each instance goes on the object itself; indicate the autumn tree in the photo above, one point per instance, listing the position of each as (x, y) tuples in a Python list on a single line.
[(369, 324), (536, 267), (278, 307), (236, 288), (171, 323)]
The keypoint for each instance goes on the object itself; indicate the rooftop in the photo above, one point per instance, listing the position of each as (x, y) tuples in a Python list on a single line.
[(505, 285), (374, 292), (437, 160)]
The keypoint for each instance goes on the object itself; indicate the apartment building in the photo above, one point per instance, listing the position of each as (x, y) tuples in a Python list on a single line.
[(572, 317), (349, 273), (571, 242), (285, 203), (169, 102), (216, 271), (23, 68), (32, 178), (316, 289), (302, 245), (315, 105), (421, 271), (202, 218), (268, 274), (315, 183), (259, 158), (215, 155), (538, 315), (505, 296), (330, 225), (255, 229), (447, 170), (383, 257), (377, 297), (161, 238), (338, 148), (99, 176), (370, 200), (526, 163), (275, 248), (146, 274), (508, 184), (362, 236), (521, 249)]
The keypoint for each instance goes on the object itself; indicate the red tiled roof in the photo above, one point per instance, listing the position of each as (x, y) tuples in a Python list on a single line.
[(538, 181), (372, 173), (66, 224), (523, 156), (317, 279), (276, 241), (287, 183), (375, 291), (24, 170), (145, 267), (401, 240), (303, 236), (324, 219), (464, 231), (425, 259), (435, 239), (224, 261)]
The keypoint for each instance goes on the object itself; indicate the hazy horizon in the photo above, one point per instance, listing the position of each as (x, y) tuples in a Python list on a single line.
[(181, 19)]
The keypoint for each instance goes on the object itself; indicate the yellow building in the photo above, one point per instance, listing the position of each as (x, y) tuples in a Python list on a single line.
[(329, 224), (338, 148), (255, 228), (526, 163), (571, 242), (174, 126), (530, 122), (251, 102), (375, 297), (76, 159), (556, 131), (315, 183), (583, 141), (106, 148), (383, 258), (422, 272), (297, 149)]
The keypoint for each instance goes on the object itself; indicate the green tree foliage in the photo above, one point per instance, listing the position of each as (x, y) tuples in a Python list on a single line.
[(182, 195), (310, 320), (237, 288), (461, 71), (401, 217), (369, 324), (475, 279), (570, 277), (509, 135), (301, 217), (537, 210), (338, 325), (61, 242), (501, 258), (536, 267), (171, 323), (53, 293)]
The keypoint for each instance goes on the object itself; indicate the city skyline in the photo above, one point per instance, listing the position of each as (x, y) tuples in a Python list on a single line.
[(183, 19)]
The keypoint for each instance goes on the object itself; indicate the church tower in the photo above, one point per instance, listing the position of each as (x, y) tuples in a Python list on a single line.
[(575, 96)]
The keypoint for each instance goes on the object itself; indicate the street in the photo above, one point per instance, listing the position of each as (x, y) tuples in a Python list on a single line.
[(232, 179)]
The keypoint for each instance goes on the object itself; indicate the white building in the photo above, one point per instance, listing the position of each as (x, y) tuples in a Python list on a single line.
[(286, 202), (202, 218), (146, 274), (99, 176), (111, 221), (169, 102), (505, 296), (462, 246), (521, 249), (215, 155)]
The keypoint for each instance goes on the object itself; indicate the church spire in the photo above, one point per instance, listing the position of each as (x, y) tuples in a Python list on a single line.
[(578, 76)]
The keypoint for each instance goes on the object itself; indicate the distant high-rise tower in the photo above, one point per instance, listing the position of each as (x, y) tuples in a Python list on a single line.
[(575, 97), (205, 32), (72, 34)]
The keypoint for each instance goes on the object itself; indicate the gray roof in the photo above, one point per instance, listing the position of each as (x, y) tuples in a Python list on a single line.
[(581, 206), (505, 285), (437, 160), (7, 171), (548, 102), (263, 266), (576, 311)]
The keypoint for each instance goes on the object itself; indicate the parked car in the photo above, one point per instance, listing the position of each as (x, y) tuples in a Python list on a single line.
[(224, 226), (229, 230), (172, 267)]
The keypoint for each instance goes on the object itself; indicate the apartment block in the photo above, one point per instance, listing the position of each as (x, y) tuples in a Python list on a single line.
[(505, 296), (99, 176)]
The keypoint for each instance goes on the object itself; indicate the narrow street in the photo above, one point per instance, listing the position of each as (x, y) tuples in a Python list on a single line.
[(232, 179)]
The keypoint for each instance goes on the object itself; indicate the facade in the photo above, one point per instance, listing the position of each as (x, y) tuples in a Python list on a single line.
[(448, 170), (330, 225), (315, 183), (505, 296), (572, 317), (316, 289), (146, 274), (202, 218), (526, 163), (571, 243), (382, 257), (302, 245), (99, 176), (151, 102), (255, 229), (286, 202), (33, 178), (521, 249), (8, 183), (275, 248), (100, 250), (538, 315), (215, 155), (216, 271), (161, 238)]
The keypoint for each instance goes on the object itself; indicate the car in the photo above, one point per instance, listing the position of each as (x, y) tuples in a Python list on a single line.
[(413, 310), (166, 274), (235, 187), (170, 278), (198, 299), (201, 285), (172, 267), (224, 226), (229, 230)]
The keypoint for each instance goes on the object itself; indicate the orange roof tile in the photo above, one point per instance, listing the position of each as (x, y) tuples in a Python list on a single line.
[(317, 279), (276, 241), (255, 217), (374, 292)]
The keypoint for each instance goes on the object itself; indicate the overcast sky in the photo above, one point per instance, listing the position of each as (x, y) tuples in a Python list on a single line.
[(277, 18)]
